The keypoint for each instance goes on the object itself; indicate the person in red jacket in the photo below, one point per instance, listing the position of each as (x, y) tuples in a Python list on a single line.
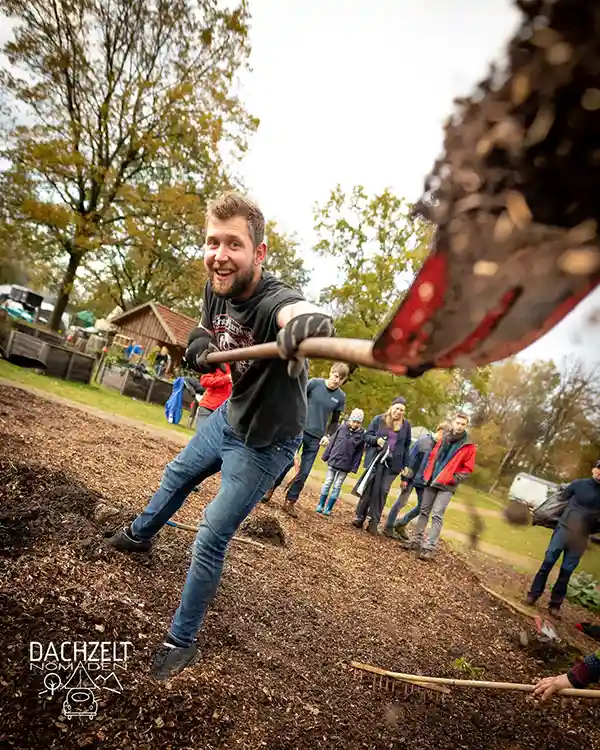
[(217, 387), (450, 463)]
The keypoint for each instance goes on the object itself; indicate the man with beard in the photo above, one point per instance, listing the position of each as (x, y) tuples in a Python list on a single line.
[(250, 438), (450, 463)]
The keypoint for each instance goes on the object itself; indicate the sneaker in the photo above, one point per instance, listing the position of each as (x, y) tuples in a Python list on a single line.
[(124, 541), (319, 509), (326, 512), (289, 508), (554, 611), (530, 600), (358, 524), (410, 545), (372, 529), (170, 660), (426, 554), (400, 532), (389, 532)]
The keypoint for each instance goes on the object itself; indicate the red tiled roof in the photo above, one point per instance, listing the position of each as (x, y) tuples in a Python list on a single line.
[(178, 324)]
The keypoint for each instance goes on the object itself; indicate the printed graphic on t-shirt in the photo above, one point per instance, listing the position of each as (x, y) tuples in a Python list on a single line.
[(231, 335)]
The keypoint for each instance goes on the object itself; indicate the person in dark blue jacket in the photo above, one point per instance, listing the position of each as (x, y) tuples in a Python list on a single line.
[(579, 519), (388, 439), (343, 455), (418, 458)]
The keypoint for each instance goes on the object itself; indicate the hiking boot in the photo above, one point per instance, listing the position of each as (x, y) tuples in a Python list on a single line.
[(530, 600), (357, 523), (389, 532), (400, 532), (170, 660), (426, 554), (124, 541), (290, 508), (554, 611)]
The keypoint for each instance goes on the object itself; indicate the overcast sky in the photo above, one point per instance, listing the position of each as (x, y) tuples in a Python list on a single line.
[(356, 92)]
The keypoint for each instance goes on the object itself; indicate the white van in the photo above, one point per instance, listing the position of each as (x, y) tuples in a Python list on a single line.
[(531, 491)]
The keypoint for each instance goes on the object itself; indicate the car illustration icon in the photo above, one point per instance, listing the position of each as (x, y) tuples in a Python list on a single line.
[(80, 702)]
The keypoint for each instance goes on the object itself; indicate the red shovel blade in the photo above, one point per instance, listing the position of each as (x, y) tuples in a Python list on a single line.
[(461, 312)]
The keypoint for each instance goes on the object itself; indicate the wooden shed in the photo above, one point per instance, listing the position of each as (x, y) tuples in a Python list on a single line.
[(153, 324)]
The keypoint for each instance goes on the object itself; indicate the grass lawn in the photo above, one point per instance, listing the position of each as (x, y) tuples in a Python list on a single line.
[(528, 541), (92, 395)]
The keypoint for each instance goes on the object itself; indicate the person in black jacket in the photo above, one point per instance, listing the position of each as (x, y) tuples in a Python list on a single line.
[(569, 539), (343, 454), (388, 439)]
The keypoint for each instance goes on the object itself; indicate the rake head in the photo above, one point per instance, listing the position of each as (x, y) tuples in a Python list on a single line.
[(423, 692)]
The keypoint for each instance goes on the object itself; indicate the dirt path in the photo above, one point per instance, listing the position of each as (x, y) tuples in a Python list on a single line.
[(158, 432), (277, 640)]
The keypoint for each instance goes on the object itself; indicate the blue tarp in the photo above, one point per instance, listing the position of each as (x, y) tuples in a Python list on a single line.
[(174, 406)]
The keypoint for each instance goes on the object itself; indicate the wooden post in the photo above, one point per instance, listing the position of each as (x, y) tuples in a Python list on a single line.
[(150, 389), (69, 366)]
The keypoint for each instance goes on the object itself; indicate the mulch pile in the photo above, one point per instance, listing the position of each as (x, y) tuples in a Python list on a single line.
[(277, 641)]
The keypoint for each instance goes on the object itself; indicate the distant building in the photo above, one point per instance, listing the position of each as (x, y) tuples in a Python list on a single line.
[(154, 325)]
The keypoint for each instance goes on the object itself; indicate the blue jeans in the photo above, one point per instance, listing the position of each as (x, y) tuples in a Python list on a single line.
[(560, 544), (401, 501), (413, 512), (246, 474), (310, 449), (334, 480)]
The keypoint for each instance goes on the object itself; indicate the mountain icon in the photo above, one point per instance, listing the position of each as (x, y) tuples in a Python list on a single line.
[(110, 682)]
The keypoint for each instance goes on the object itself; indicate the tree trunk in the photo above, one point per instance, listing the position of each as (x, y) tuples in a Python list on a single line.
[(64, 292), (505, 460)]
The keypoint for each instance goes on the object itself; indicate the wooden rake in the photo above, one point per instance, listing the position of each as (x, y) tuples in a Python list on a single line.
[(382, 678)]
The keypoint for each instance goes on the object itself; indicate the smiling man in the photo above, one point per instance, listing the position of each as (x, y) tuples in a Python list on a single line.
[(250, 438)]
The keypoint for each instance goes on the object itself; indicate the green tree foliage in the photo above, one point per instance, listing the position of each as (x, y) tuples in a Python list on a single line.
[(118, 102), (283, 257), (377, 247)]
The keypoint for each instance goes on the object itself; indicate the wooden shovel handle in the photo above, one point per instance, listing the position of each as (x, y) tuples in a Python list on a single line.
[(355, 351)]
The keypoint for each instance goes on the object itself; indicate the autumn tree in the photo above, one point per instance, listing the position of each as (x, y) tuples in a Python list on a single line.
[(374, 247), (119, 103), (283, 257)]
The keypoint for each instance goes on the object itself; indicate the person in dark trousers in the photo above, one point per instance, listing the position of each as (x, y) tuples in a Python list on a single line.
[(417, 462), (343, 456), (450, 463), (569, 539), (325, 403), (250, 439), (388, 439), (579, 677)]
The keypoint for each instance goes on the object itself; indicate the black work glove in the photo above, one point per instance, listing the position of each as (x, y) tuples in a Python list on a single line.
[(309, 325), (200, 344)]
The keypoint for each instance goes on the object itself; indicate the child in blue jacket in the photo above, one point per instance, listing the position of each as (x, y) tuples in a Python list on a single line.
[(343, 455)]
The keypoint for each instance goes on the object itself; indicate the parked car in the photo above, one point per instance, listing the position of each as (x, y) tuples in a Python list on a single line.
[(531, 490)]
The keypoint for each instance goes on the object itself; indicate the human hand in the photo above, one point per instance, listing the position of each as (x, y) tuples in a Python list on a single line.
[(202, 343), (381, 442), (404, 485), (299, 329), (550, 685), (324, 441)]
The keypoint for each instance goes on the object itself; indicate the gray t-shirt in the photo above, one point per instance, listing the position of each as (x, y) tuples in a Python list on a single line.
[(266, 405), (322, 404)]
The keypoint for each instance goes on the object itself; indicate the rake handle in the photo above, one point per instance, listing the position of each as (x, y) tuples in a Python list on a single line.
[(569, 692), (356, 351), (190, 527)]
